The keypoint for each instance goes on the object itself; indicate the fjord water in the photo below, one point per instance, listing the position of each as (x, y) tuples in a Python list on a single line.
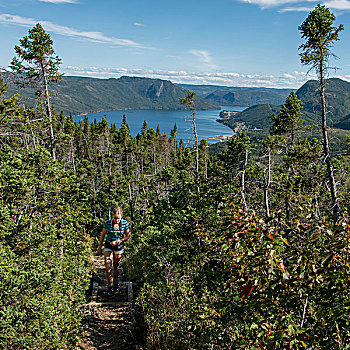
[(206, 123)]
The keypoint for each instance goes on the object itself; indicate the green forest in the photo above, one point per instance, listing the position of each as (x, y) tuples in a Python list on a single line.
[(246, 248), (337, 94), (81, 95)]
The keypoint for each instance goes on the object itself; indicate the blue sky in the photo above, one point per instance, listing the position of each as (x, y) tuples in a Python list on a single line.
[(221, 42)]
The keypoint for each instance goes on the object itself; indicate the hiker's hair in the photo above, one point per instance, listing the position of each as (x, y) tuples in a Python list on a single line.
[(118, 210)]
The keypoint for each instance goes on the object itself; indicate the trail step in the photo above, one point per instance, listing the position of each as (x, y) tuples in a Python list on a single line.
[(109, 321), (100, 287), (108, 303)]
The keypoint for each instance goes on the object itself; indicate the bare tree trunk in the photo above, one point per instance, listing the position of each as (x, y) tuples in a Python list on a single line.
[(326, 151), (317, 209), (205, 167), (154, 162), (196, 145), (125, 161), (72, 154), (108, 144), (243, 180), (267, 182), (48, 110), (131, 204), (32, 132), (287, 206)]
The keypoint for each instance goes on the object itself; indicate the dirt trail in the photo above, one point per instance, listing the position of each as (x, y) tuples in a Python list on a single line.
[(109, 322)]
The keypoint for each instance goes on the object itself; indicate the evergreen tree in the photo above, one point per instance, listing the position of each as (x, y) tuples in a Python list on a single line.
[(124, 131), (285, 123), (13, 129), (287, 120), (144, 128), (320, 36), (36, 64), (235, 159)]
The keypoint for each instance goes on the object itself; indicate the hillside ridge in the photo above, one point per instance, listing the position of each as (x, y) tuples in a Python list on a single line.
[(239, 96), (338, 100), (81, 95)]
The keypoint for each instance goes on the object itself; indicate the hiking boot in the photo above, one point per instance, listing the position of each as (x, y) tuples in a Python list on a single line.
[(110, 290), (116, 286)]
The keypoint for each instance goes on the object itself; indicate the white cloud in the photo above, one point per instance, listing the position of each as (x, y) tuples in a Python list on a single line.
[(60, 1), (63, 30), (299, 5), (291, 80), (205, 58), (139, 24), (338, 4), (294, 9), (272, 3)]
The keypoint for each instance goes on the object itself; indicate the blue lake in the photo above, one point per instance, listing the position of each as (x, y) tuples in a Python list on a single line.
[(206, 123)]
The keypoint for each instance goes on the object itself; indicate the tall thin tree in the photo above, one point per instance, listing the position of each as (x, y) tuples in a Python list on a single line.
[(36, 65), (286, 122), (320, 36), (189, 102)]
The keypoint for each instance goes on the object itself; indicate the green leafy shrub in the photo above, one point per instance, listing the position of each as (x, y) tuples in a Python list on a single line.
[(44, 250)]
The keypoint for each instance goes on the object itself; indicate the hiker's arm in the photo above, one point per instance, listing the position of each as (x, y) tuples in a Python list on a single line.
[(102, 238), (127, 236)]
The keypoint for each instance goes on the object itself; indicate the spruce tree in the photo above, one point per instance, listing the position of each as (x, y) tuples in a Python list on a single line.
[(287, 120), (36, 65), (320, 36)]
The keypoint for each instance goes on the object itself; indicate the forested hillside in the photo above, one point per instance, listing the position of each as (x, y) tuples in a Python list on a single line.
[(248, 249), (338, 103), (81, 95), (239, 96)]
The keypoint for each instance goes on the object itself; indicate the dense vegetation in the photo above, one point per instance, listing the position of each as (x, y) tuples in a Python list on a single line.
[(338, 97), (240, 250), (239, 96), (81, 95)]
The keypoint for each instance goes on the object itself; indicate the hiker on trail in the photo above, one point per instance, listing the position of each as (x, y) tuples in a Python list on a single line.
[(118, 231)]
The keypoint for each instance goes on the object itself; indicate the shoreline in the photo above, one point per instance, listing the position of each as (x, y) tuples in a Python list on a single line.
[(157, 109), (220, 138), (141, 109)]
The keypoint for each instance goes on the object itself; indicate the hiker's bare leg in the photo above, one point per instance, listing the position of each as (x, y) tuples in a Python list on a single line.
[(108, 265), (116, 262)]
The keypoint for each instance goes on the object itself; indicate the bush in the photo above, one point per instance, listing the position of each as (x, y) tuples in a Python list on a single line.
[(44, 250)]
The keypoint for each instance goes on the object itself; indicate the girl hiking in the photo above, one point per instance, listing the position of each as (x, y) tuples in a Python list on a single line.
[(118, 231)]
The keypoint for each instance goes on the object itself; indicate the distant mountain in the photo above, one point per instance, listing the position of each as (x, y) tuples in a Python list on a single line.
[(80, 95), (338, 104), (239, 96), (338, 101)]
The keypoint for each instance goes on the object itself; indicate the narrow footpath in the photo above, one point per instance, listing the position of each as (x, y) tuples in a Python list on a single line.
[(109, 322)]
